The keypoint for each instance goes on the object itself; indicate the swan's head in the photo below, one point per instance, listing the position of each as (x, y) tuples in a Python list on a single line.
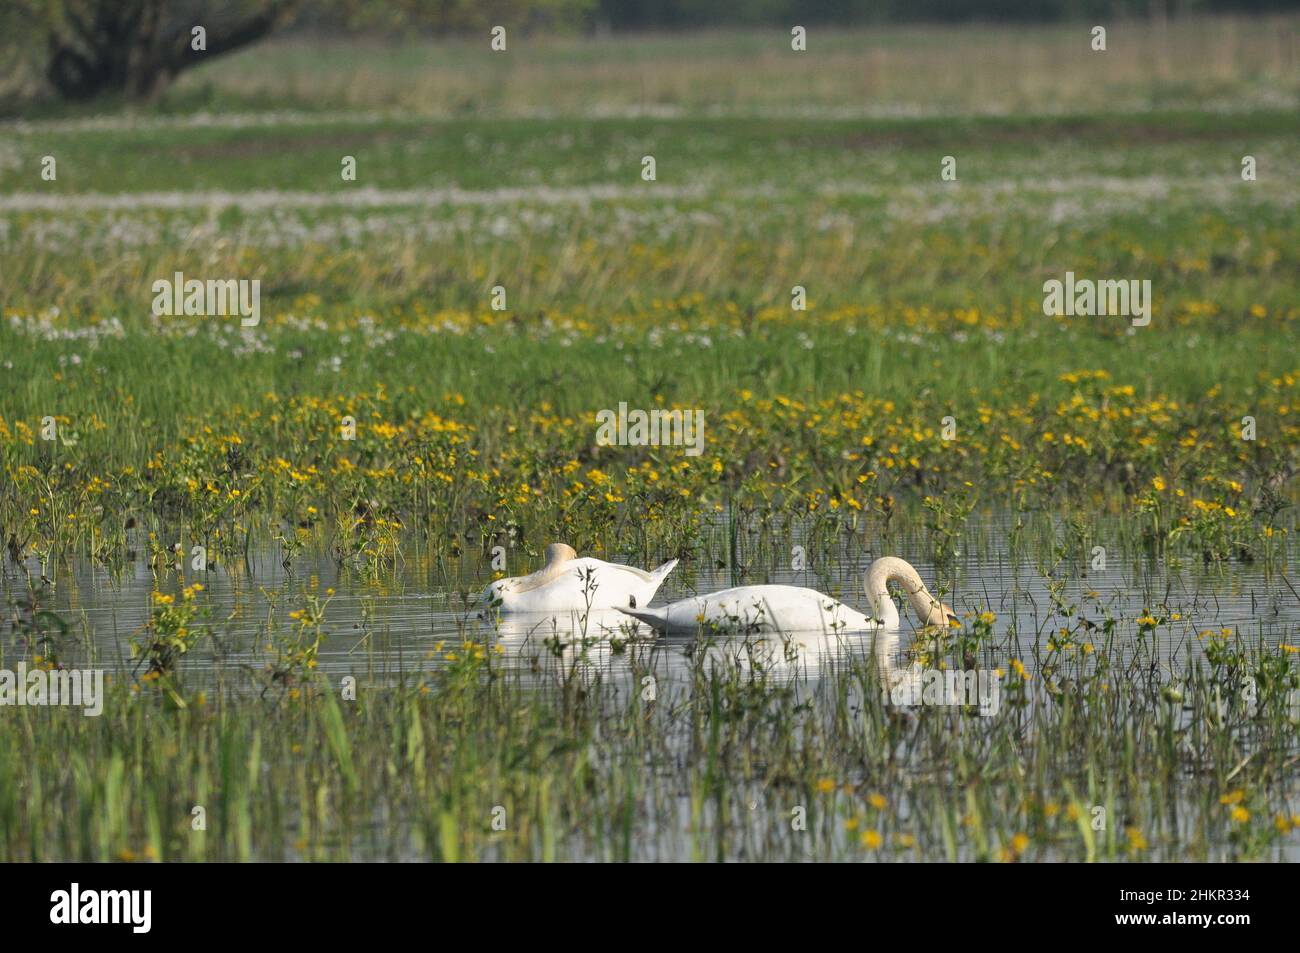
[(938, 614), (496, 593)]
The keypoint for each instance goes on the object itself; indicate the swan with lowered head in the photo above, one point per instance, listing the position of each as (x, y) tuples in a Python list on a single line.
[(569, 584), (794, 609)]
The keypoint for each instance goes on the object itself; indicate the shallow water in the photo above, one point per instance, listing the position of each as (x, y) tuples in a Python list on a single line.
[(389, 622)]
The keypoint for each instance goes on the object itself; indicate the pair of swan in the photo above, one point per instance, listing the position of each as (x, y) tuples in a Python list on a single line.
[(569, 584)]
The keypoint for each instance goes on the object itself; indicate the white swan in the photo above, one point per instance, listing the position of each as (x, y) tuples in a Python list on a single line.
[(793, 609), (569, 584)]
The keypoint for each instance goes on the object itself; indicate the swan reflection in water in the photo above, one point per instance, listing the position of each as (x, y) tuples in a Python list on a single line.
[(618, 650)]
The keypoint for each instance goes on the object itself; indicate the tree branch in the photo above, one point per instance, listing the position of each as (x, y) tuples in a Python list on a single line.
[(241, 34)]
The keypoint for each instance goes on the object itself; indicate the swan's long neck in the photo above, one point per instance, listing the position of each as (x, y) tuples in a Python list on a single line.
[(889, 569)]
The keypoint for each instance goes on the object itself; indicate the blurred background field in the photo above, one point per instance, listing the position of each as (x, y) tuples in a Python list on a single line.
[(1224, 64), (1218, 63)]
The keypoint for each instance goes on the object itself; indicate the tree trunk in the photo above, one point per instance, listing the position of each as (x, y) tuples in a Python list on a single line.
[(135, 48)]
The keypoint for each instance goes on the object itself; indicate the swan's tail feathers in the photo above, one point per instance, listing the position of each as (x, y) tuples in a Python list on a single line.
[(659, 574), (657, 577), (655, 618)]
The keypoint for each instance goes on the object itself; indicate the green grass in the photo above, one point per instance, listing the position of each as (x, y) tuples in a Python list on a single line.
[(723, 155)]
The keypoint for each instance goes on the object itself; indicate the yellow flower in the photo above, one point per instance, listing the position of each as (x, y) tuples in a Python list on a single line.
[(1240, 814), (877, 801), (871, 840), (1135, 839), (825, 786)]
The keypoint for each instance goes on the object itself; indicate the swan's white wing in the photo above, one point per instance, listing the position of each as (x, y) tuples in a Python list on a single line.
[(609, 569)]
